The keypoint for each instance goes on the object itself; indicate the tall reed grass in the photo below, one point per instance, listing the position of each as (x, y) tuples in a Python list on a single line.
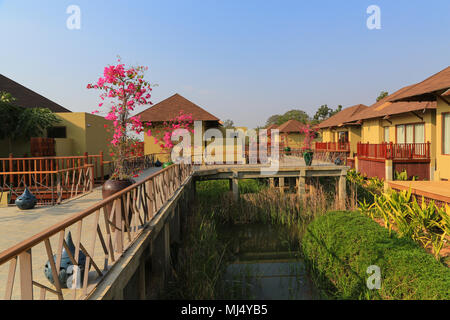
[(204, 255)]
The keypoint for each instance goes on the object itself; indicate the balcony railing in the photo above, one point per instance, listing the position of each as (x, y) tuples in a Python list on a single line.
[(394, 151), (333, 146)]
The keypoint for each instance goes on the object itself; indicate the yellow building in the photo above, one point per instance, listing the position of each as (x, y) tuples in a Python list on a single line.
[(80, 132), (435, 90), (398, 122), (75, 134), (291, 135), (169, 109), (343, 130)]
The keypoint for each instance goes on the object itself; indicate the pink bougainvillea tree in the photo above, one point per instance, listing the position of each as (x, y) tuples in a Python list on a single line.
[(126, 89), (162, 135), (310, 134)]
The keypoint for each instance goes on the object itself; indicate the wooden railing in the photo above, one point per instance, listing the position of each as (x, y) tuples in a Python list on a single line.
[(394, 151), (49, 187), (114, 222), (332, 146), (40, 164)]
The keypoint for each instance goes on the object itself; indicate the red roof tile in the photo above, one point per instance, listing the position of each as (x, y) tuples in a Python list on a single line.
[(170, 108), (290, 126), (423, 91), (346, 115), (388, 106)]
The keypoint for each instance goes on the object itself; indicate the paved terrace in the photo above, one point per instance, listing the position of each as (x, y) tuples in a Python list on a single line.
[(17, 225)]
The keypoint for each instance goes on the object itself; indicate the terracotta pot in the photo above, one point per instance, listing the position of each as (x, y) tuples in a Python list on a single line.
[(111, 187)]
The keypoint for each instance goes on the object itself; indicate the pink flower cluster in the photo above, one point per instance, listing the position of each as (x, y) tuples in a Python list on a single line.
[(163, 138), (126, 89), (310, 135)]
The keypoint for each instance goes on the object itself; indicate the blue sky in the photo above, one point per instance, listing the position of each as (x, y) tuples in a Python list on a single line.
[(243, 60)]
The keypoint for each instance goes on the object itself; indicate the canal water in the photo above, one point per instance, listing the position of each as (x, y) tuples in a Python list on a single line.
[(265, 265)]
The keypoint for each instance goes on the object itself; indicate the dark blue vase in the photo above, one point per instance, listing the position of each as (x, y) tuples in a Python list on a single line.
[(158, 163), (26, 201), (66, 268)]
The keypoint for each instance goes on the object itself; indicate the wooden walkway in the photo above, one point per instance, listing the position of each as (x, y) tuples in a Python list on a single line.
[(17, 225), (431, 190)]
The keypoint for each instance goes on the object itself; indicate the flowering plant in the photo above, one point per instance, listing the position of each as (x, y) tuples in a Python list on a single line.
[(126, 89), (162, 134), (310, 135)]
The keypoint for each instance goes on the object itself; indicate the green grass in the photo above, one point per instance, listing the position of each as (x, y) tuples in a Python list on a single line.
[(340, 246)]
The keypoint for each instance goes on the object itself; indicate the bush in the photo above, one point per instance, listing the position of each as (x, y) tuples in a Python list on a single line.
[(340, 246)]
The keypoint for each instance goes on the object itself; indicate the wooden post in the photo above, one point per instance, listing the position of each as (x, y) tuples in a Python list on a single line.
[(272, 182), (26, 275), (388, 173), (342, 189), (102, 172), (235, 188), (91, 177), (166, 248), (281, 185), (141, 283), (11, 169), (301, 182)]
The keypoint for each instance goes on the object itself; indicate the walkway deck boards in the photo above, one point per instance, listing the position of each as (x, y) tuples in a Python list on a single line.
[(17, 225), (437, 190)]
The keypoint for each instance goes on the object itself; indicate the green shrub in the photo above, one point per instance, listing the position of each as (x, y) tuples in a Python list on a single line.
[(340, 246)]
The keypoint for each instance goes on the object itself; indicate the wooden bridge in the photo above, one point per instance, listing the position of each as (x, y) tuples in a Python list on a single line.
[(127, 237)]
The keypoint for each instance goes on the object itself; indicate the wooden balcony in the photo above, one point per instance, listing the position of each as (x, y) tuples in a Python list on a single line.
[(394, 151), (332, 146)]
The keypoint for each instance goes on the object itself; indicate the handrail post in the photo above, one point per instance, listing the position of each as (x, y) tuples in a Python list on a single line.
[(91, 177), (11, 176), (102, 173)]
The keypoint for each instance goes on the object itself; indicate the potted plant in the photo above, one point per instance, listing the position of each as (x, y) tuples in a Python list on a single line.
[(308, 152), (125, 89), (287, 151)]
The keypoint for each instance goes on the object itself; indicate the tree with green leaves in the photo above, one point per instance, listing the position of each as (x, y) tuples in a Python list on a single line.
[(294, 114), (324, 112), (228, 124), (6, 97), (382, 95), (23, 123)]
